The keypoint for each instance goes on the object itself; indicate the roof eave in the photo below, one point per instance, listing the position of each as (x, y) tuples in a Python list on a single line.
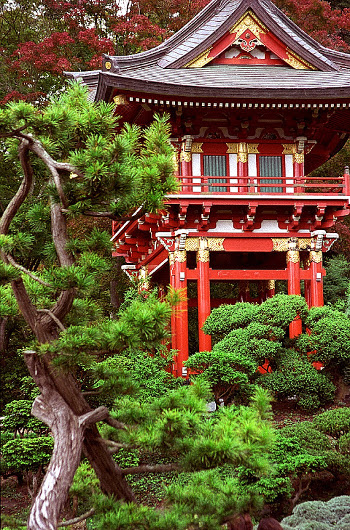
[(108, 81)]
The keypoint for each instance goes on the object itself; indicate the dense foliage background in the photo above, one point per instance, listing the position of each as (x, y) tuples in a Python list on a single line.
[(214, 465)]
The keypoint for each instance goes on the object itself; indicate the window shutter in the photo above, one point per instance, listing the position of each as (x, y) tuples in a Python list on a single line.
[(215, 166), (270, 166)]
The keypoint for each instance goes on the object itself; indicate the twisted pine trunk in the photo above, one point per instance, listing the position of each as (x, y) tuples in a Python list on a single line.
[(68, 430)]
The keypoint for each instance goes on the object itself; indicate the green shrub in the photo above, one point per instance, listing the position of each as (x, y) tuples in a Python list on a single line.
[(18, 418), (344, 443), (308, 436), (22, 454), (333, 422)]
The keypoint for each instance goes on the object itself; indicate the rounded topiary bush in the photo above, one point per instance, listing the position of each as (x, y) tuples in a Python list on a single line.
[(319, 515)]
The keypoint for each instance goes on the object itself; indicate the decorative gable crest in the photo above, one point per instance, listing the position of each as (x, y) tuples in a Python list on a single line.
[(249, 41)]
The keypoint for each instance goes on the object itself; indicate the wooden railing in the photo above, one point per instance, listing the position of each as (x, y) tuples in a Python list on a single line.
[(266, 186)]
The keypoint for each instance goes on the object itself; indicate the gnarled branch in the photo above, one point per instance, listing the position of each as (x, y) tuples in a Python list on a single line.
[(76, 520), (27, 272), (159, 468)]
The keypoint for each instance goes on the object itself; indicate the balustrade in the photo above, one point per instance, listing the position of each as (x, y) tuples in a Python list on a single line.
[(272, 185)]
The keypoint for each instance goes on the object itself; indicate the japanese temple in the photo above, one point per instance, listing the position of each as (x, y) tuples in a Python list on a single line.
[(255, 105)]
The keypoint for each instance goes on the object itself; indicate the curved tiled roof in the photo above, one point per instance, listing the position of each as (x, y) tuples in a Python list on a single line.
[(162, 69), (214, 21)]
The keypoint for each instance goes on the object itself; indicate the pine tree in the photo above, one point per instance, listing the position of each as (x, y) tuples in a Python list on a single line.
[(67, 162)]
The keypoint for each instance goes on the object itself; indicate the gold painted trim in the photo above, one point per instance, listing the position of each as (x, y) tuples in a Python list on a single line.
[(216, 244), (289, 149), (253, 149), (271, 284), (315, 256), (249, 21), (185, 156), (242, 157), (242, 152), (296, 62), (203, 255), (180, 256), (232, 148), (298, 158), (192, 244), (293, 256), (171, 259), (108, 65), (120, 99), (197, 147), (201, 60)]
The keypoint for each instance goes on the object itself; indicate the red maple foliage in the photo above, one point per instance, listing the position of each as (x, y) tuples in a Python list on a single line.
[(330, 27), (75, 33)]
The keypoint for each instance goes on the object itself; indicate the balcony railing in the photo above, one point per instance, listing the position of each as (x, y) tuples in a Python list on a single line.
[(266, 186)]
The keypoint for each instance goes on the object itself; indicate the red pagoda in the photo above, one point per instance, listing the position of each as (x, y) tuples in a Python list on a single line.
[(255, 105)]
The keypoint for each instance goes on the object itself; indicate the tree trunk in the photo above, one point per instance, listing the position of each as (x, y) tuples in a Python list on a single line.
[(69, 429)]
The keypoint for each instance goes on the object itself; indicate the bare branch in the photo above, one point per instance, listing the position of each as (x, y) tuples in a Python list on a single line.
[(23, 190), (14, 133), (114, 446), (108, 215), (77, 519), (99, 414), (64, 303), (111, 215), (54, 318), (115, 423), (23, 269), (57, 181), (25, 305), (159, 468)]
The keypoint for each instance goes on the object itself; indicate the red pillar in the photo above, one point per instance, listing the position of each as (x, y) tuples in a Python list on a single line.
[(293, 269), (186, 170), (242, 167), (244, 293), (203, 284), (316, 278), (298, 160), (179, 319), (346, 181)]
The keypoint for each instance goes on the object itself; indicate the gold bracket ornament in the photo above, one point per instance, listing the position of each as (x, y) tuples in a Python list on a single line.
[(298, 158), (120, 99), (185, 156), (192, 244), (282, 244), (232, 148), (180, 256), (197, 147), (216, 244), (203, 252), (293, 256), (203, 255), (289, 149), (253, 149), (315, 256), (242, 152), (108, 65), (271, 284)]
